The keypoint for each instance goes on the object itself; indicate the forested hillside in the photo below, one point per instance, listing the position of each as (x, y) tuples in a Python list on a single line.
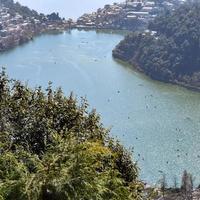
[(51, 147), (15, 7), (171, 50), (18, 8)]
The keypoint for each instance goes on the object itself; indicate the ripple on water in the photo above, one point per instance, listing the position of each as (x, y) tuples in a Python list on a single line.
[(161, 121)]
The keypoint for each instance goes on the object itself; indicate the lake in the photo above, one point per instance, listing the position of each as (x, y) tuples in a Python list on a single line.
[(161, 121)]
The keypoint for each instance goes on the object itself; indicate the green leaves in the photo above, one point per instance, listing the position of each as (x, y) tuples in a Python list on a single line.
[(68, 170), (170, 51), (51, 147), (32, 115)]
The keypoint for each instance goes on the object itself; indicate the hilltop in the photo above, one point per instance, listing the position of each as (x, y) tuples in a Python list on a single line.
[(19, 24), (169, 51), (128, 15)]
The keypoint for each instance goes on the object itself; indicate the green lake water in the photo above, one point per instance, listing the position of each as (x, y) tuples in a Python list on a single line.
[(161, 121)]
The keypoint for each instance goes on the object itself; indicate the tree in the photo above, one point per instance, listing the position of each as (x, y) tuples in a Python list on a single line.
[(163, 184), (187, 185), (54, 17), (69, 21), (170, 51), (51, 147), (175, 182)]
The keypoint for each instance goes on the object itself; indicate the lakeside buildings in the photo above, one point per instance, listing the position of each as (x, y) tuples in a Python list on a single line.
[(19, 24), (16, 28), (129, 15)]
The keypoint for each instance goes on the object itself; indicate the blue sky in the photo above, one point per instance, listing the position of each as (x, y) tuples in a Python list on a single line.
[(66, 8)]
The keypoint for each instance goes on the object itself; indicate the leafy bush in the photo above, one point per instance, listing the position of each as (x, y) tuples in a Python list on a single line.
[(51, 147)]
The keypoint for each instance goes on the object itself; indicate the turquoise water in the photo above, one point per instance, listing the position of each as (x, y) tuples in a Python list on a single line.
[(160, 121)]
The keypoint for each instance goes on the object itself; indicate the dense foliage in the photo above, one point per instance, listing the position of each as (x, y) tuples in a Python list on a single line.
[(51, 147), (16, 7), (173, 53), (54, 17)]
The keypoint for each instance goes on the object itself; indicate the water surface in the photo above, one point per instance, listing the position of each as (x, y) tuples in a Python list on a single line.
[(161, 121)]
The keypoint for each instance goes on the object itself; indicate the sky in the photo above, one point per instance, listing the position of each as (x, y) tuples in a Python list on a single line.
[(66, 8)]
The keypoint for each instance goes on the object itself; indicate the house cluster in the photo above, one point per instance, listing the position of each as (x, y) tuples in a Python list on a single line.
[(129, 15), (16, 29)]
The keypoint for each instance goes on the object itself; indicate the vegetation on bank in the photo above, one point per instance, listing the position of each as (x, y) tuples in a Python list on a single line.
[(51, 147), (22, 10), (16, 7), (173, 53)]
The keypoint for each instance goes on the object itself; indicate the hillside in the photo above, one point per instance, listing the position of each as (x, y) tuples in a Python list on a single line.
[(128, 15), (52, 147), (170, 50), (19, 24)]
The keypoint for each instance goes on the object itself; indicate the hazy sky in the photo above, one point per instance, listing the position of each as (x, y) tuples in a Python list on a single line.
[(66, 8)]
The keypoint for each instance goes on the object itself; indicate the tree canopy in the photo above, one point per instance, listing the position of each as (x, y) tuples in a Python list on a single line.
[(171, 50), (51, 147)]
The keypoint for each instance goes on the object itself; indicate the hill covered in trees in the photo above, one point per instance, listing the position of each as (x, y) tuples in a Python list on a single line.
[(16, 7), (170, 51), (51, 147), (19, 24)]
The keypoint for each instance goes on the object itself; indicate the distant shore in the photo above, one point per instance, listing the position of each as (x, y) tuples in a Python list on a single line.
[(10, 42), (19, 24)]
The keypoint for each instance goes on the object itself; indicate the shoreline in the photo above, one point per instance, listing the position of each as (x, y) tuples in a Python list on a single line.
[(19, 24), (65, 27), (29, 36), (173, 82), (55, 30)]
